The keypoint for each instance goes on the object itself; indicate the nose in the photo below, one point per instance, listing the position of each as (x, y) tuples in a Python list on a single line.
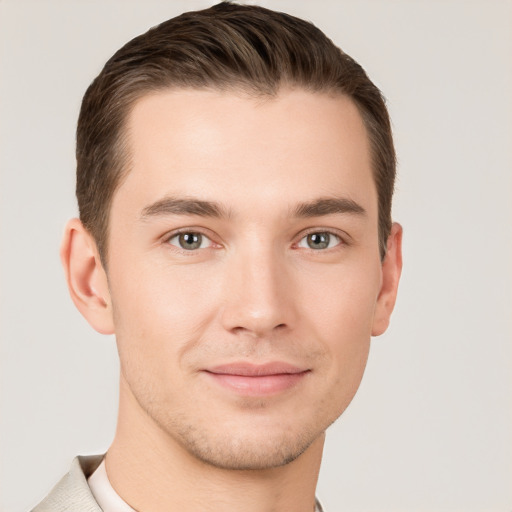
[(259, 296)]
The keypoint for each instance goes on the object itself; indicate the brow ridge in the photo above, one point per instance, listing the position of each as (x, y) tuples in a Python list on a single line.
[(328, 206), (192, 206), (184, 206)]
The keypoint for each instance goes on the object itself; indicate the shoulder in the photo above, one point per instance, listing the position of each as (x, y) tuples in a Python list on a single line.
[(72, 493)]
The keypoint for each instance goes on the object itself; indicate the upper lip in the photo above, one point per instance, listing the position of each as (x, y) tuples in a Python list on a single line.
[(256, 370)]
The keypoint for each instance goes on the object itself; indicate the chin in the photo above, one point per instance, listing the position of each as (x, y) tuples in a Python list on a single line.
[(244, 453), (243, 446)]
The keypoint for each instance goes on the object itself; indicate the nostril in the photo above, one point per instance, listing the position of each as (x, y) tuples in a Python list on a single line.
[(258, 330)]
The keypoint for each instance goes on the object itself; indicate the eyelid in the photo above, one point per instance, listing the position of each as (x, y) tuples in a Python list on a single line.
[(342, 236), (206, 233)]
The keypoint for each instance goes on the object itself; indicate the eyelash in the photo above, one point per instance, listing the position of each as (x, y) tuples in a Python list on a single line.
[(188, 231), (341, 240)]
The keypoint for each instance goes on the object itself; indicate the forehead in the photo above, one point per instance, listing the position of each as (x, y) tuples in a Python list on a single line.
[(291, 147)]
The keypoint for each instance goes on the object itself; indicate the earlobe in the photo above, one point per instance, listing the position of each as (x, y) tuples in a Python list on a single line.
[(86, 278), (391, 270)]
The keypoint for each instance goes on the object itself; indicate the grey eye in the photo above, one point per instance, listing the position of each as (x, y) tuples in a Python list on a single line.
[(190, 241), (319, 241)]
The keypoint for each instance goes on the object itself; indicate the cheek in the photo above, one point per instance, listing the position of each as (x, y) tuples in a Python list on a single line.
[(160, 312), (341, 300), (341, 314)]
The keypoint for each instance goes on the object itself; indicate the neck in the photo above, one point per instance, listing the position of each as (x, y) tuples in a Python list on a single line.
[(153, 472)]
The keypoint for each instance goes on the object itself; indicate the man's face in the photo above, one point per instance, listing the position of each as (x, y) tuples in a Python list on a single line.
[(244, 270)]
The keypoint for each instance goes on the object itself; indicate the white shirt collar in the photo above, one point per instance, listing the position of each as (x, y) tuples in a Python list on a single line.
[(104, 494)]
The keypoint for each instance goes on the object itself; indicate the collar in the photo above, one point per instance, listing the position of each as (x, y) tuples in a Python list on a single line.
[(104, 493)]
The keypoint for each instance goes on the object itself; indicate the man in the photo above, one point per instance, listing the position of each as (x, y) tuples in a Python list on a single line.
[(234, 179)]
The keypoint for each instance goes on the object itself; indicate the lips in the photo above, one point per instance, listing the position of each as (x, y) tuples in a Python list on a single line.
[(257, 380)]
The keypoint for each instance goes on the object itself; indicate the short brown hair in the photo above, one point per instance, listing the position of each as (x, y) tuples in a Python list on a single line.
[(225, 47)]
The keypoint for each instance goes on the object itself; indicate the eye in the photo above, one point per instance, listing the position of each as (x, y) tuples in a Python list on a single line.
[(319, 240), (190, 241)]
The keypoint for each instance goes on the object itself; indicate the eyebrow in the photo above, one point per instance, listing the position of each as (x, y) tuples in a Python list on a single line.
[(192, 206), (328, 206), (184, 206)]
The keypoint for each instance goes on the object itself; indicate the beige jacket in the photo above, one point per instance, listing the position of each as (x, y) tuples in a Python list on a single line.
[(72, 493)]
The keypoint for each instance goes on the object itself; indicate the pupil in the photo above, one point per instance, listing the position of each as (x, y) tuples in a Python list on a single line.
[(190, 240), (318, 240)]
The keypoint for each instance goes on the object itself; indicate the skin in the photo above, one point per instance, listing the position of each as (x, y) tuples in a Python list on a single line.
[(257, 290)]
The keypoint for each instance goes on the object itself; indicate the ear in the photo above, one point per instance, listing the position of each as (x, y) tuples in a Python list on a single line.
[(391, 270), (86, 278)]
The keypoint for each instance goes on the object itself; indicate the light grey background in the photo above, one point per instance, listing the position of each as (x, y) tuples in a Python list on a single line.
[(430, 429)]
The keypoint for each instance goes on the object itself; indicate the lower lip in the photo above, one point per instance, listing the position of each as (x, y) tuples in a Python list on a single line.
[(258, 385)]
